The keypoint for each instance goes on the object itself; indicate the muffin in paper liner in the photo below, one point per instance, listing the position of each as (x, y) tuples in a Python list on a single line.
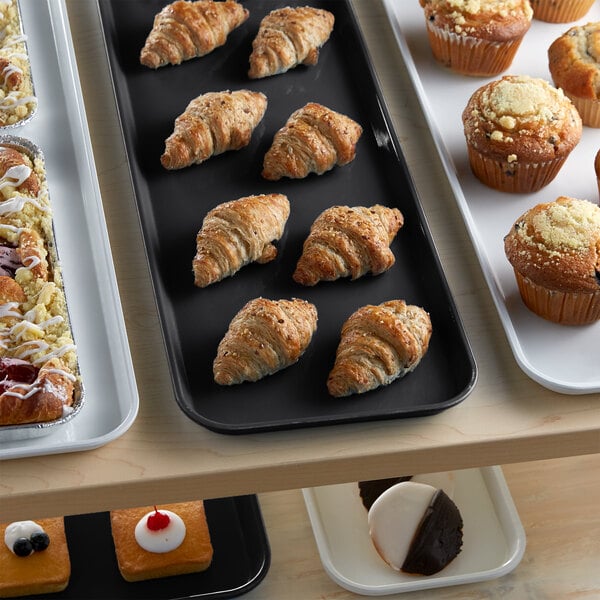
[(560, 11), (470, 55), (519, 131), (554, 249), (479, 39), (566, 308)]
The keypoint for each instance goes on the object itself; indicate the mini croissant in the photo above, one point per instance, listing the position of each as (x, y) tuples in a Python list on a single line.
[(212, 124), (314, 140), (236, 233), (348, 242), (264, 337), (184, 30), (378, 345), (288, 37)]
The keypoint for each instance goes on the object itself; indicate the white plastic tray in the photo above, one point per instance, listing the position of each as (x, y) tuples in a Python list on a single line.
[(59, 128), (563, 359), (493, 537)]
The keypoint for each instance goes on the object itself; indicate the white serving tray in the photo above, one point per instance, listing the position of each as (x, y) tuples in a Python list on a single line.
[(493, 537), (59, 128), (563, 359)]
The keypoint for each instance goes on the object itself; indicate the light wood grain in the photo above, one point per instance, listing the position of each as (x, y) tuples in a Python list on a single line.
[(508, 418)]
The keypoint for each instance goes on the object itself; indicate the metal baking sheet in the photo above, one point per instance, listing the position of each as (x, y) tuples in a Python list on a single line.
[(59, 130), (172, 206), (561, 358), (241, 558)]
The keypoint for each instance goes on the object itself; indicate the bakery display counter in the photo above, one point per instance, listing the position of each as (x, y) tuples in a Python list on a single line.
[(507, 418)]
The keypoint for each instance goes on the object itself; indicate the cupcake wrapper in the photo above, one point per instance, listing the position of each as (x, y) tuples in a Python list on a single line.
[(565, 308), (470, 55), (588, 109), (560, 12), (515, 177)]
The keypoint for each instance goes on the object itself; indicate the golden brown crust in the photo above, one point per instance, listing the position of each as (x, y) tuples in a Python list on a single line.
[(574, 61), (288, 37), (192, 556), (42, 572), (313, 140), (236, 233), (491, 20), (521, 119), (183, 30), (348, 242), (41, 401), (9, 157), (213, 123), (264, 337), (378, 345), (557, 245)]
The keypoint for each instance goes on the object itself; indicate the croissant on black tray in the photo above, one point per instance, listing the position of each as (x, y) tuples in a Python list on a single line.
[(378, 345), (183, 30), (264, 337), (288, 37), (313, 140), (348, 242), (236, 233), (211, 124)]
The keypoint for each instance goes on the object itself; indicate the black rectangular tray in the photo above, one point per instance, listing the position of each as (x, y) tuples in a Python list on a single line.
[(173, 204), (241, 558)]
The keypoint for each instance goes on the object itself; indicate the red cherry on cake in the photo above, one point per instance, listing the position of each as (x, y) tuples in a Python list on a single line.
[(157, 520)]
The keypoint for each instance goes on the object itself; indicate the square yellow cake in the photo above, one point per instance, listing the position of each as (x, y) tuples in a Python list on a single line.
[(136, 564), (42, 572)]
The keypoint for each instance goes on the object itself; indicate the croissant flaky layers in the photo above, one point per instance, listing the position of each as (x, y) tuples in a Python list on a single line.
[(348, 242), (378, 345), (236, 233), (264, 337), (313, 140), (211, 124), (288, 37), (183, 30)]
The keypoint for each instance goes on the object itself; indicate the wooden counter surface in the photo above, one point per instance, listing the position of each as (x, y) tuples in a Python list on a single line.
[(508, 418)]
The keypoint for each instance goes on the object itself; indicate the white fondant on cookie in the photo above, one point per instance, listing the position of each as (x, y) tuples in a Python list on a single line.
[(395, 517), (162, 540)]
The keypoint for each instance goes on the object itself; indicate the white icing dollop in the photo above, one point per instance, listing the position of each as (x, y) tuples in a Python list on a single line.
[(20, 529), (162, 540), (394, 518)]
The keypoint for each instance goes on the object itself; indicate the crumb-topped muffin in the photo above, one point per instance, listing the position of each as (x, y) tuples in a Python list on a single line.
[(519, 132), (560, 11), (476, 37), (574, 63), (554, 249)]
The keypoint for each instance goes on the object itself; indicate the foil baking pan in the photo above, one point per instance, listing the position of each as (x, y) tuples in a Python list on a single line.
[(33, 110), (9, 433)]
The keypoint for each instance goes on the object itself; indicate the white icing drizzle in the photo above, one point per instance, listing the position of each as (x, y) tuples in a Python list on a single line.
[(16, 204), (29, 389), (32, 261), (9, 309), (13, 228), (15, 176), (36, 346), (62, 373), (20, 529), (12, 100), (163, 540)]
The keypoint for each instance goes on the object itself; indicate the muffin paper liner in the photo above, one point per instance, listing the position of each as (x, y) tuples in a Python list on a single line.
[(565, 308), (557, 11), (588, 109), (513, 177), (470, 55)]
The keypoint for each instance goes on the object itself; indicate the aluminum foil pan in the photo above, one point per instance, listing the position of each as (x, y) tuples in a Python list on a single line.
[(10, 433), (33, 110)]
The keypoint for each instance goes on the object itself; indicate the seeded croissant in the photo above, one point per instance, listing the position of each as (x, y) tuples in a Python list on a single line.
[(314, 140), (264, 337), (348, 242), (378, 345), (236, 233), (212, 124), (288, 37), (184, 30)]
